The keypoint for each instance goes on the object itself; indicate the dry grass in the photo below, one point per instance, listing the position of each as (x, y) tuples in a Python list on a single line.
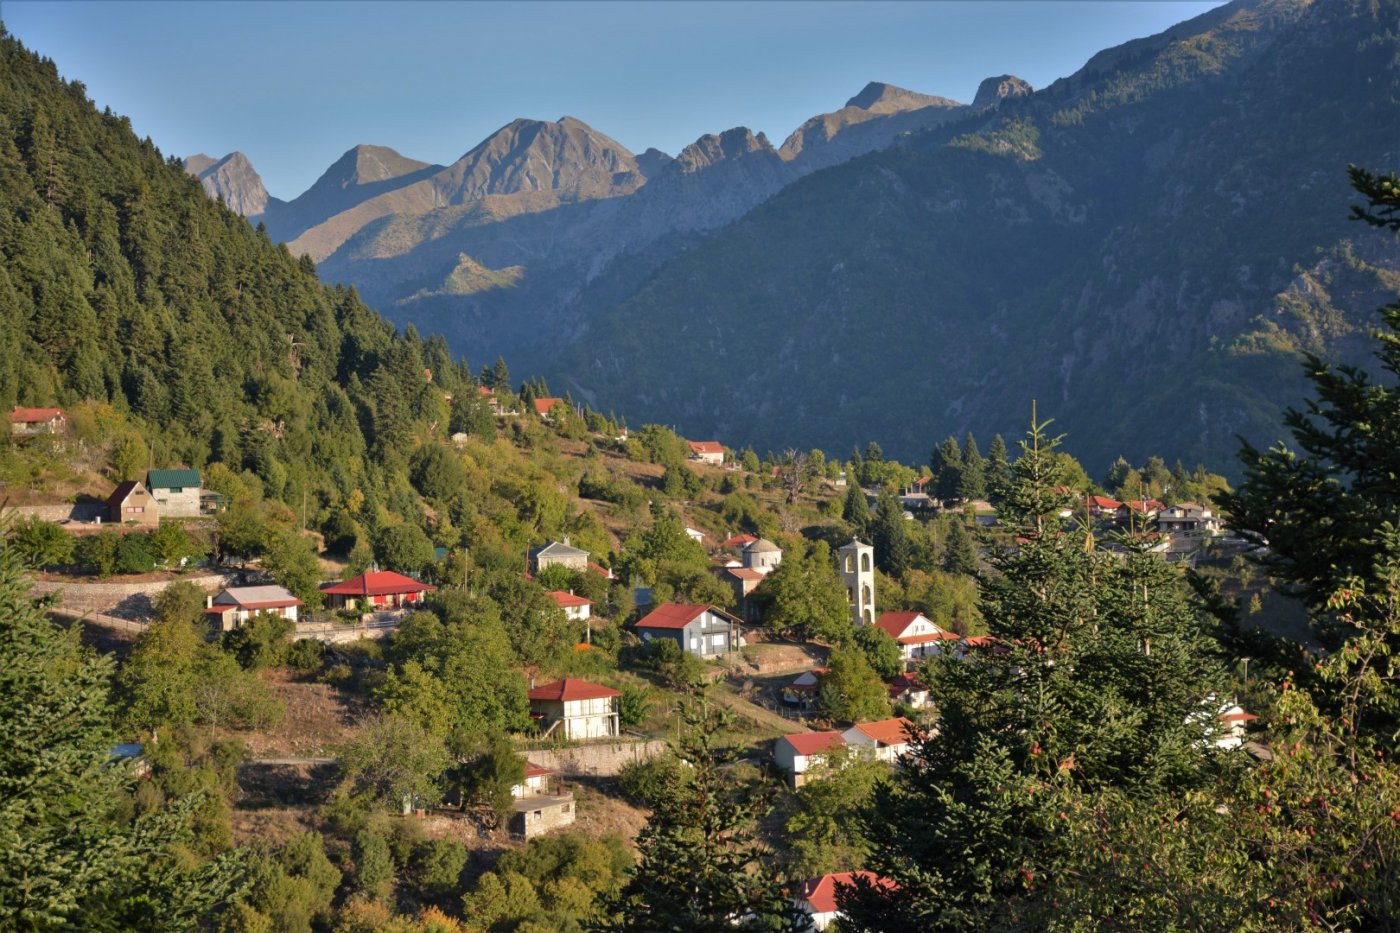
[(319, 719)]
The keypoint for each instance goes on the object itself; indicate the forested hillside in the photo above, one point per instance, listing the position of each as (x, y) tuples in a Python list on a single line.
[(1146, 245)]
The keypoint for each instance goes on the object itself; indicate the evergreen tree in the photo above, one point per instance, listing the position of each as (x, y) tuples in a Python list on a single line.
[(699, 866), (855, 511), (888, 533), (972, 482), (960, 551), (998, 469), (947, 465)]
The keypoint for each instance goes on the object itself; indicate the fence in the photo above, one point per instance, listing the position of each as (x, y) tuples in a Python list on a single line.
[(333, 633), (102, 619)]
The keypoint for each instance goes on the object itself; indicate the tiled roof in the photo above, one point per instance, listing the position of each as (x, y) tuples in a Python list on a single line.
[(739, 541), (254, 597), (821, 892), (377, 583), (123, 490), (894, 623), (745, 573), (1103, 502), (569, 600), (672, 615), (545, 405), (706, 447), (534, 770), (34, 415), (557, 549), (887, 731), (570, 689), (811, 743)]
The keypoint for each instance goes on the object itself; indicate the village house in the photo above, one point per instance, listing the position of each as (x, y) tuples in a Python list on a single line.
[(560, 554), (743, 581), (576, 708), (32, 422), (798, 754), (576, 608), (695, 534), (707, 451), (375, 589), (177, 492), (231, 607), (738, 543), (131, 503), (544, 407), (908, 690), (1102, 507), (762, 555), (802, 692), (699, 630), (539, 805), (1234, 721), (816, 897), (916, 635), (1140, 512), (884, 740), (1188, 518)]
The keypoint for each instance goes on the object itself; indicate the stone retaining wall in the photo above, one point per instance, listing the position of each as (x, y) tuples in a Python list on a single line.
[(128, 600), (81, 512), (602, 759)]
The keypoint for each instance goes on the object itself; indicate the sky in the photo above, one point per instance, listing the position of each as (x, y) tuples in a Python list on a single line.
[(293, 85)]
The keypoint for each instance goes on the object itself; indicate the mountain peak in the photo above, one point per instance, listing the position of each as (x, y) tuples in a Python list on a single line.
[(365, 164), (231, 178), (993, 91), (567, 156), (878, 97), (731, 144)]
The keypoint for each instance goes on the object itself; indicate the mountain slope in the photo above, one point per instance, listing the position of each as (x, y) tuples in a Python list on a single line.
[(871, 120), (1113, 246)]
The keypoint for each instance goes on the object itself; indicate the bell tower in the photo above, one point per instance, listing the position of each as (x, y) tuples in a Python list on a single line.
[(856, 562)]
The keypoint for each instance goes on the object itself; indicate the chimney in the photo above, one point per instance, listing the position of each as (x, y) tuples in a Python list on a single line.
[(566, 541)]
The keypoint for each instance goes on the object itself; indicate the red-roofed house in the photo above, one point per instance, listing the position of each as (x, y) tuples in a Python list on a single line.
[(28, 422), (539, 805), (917, 635), (233, 606), (817, 896), (1102, 506), (577, 708), (375, 589), (909, 690), (886, 739), (707, 451), (738, 542), (544, 407), (803, 690), (576, 608), (1234, 719), (799, 753), (1141, 510), (700, 630)]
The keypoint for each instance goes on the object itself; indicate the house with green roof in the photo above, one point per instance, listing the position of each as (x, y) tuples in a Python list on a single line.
[(176, 492)]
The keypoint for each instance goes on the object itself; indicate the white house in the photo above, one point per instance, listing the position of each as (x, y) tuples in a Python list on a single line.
[(909, 690), (817, 896), (797, 754), (231, 607), (1188, 518), (695, 534), (697, 629), (577, 708), (576, 608), (886, 739), (915, 633), (1233, 721), (803, 690)]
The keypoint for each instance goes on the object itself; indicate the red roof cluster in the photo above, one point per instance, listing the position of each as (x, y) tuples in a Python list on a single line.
[(377, 583), (888, 731), (1103, 502), (34, 415), (812, 743), (570, 689), (544, 406)]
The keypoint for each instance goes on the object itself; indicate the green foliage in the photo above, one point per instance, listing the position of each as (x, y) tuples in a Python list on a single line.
[(291, 560), (436, 866), (487, 777), (404, 548), (40, 543), (889, 534), (881, 652), (260, 642), (825, 833), (851, 690), (393, 762), (699, 865), (374, 865), (855, 511), (98, 552), (633, 707), (804, 594), (67, 856), (960, 550)]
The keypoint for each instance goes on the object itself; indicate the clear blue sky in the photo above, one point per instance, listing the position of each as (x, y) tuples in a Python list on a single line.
[(294, 85)]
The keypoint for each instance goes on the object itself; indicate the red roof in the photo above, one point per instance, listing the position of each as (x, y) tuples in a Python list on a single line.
[(570, 689), (598, 568), (745, 573), (923, 480), (534, 770), (706, 447), (812, 743), (34, 415), (123, 490), (1144, 505), (569, 600), (672, 615), (484, 392), (895, 623), (377, 583), (821, 892), (544, 406), (739, 541), (887, 731), (1103, 502), (902, 682)]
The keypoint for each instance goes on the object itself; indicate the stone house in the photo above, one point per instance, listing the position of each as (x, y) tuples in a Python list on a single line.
[(556, 554), (577, 708), (177, 492), (700, 630), (540, 805), (132, 503)]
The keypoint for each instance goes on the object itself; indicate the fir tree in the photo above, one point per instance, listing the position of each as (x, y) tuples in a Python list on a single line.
[(947, 465), (972, 482), (998, 469)]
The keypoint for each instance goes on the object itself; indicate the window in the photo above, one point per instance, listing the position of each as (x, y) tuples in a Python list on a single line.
[(718, 640), (695, 642), (865, 562), (850, 564), (568, 807)]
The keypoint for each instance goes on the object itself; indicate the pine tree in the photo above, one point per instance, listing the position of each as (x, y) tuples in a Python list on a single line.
[(855, 510), (960, 550), (998, 469), (699, 865), (947, 464), (972, 483), (893, 551)]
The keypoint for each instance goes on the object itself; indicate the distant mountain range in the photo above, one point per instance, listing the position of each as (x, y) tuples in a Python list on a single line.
[(1144, 247)]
